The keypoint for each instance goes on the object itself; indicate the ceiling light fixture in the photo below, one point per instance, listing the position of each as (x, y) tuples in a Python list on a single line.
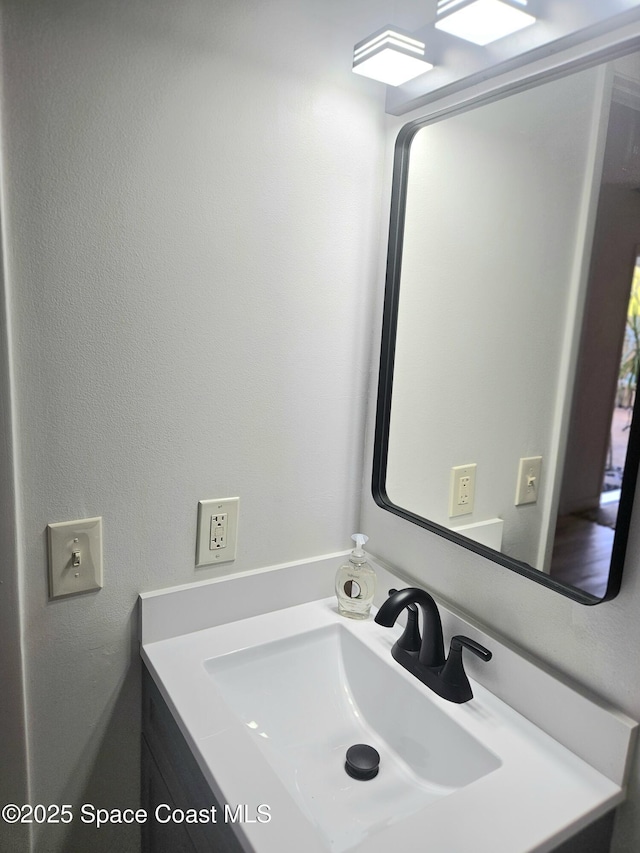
[(482, 21), (390, 56)]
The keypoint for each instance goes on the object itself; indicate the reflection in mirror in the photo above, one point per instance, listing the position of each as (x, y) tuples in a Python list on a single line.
[(511, 336)]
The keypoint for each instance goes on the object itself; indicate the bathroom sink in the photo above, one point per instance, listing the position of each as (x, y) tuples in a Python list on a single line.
[(307, 698), (269, 703)]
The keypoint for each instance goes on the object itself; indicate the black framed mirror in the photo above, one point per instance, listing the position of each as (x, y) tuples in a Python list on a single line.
[(506, 418)]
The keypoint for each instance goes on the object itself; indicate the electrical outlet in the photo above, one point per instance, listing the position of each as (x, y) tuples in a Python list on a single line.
[(217, 531), (463, 489), (528, 480), (74, 549), (219, 527)]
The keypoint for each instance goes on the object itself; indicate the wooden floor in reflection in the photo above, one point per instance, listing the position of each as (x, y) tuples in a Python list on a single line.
[(582, 554)]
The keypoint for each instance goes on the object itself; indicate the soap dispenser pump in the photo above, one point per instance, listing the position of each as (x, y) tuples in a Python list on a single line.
[(356, 582)]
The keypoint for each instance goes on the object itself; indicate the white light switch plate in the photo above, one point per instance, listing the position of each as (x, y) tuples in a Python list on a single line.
[(75, 556), (528, 486), (217, 531)]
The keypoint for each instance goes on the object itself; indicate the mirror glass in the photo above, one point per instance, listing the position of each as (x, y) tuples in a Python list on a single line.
[(511, 338)]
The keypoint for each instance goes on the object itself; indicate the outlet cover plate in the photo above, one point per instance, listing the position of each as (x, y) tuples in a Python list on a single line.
[(75, 556), (462, 490), (206, 553)]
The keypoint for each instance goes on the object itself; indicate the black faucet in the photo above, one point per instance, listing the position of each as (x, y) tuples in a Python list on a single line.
[(425, 659)]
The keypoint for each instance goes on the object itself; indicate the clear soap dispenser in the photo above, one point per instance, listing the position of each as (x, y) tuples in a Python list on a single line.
[(356, 582)]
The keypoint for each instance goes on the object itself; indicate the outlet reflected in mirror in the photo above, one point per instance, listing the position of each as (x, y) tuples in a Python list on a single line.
[(511, 336)]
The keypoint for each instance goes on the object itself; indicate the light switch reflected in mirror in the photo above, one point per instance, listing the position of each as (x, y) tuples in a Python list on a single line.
[(511, 329)]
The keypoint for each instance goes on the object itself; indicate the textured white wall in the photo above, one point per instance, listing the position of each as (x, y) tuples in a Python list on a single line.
[(595, 647), (192, 196), (13, 745)]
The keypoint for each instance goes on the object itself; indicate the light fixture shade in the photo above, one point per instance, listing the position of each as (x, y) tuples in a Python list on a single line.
[(482, 21), (390, 56)]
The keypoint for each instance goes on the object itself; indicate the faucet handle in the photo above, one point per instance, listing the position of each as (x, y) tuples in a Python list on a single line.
[(459, 641), (453, 673), (410, 640)]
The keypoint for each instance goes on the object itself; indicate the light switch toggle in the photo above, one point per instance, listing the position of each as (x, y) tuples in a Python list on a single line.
[(75, 558)]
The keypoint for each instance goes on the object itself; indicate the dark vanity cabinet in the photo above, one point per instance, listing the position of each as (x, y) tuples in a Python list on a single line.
[(595, 838), (171, 777)]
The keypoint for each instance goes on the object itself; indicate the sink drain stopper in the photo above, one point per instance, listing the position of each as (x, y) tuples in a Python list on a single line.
[(362, 761)]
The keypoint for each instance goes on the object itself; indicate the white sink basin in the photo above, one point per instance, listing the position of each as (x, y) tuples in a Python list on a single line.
[(306, 699), (269, 703)]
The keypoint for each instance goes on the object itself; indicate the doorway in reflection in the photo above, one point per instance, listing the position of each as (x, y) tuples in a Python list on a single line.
[(584, 538)]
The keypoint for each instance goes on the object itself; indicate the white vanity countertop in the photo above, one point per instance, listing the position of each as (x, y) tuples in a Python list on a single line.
[(555, 777)]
